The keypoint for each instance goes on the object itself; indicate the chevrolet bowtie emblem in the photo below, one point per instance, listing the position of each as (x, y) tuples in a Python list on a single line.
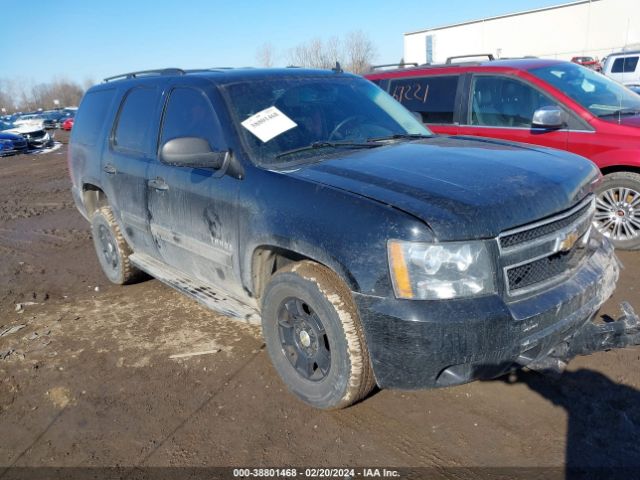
[(566, 243)]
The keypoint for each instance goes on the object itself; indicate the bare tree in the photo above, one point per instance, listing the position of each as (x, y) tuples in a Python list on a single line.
[(356, 53), (332, 53), (6, 96), (87, 83), (316, 53), (302, 55), (5, 102), (265, 55), (23, 96), (360, 52)]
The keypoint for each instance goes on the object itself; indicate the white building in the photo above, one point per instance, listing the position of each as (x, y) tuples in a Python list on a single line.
[(584, 28)]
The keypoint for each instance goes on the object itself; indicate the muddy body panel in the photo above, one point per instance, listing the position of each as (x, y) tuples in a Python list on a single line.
[(442, 343)]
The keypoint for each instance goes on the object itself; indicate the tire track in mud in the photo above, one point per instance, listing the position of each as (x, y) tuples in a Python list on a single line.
[(143, 323), (410, 443), (20, 240)]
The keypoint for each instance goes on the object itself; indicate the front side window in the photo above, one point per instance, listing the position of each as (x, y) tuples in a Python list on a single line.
[(135, 120), (189, 114), (504, 102), (432, 97), (600, 95), (302, 118), (624, 65)]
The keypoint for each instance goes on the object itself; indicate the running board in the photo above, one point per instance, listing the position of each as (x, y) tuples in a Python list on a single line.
[(211, 297)]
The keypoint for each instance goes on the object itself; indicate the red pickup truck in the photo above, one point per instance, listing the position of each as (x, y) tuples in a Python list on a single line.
[(551, 103), (588, 62)]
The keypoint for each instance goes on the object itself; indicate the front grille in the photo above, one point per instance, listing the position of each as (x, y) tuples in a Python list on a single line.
[(511, 240), (543, 270), (36, 135), (533, 257)]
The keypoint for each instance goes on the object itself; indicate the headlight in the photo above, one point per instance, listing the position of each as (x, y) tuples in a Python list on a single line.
[(429, 271)]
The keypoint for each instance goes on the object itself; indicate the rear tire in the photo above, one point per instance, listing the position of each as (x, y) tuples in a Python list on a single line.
[(313, 335), (618, 209), (112, 249)]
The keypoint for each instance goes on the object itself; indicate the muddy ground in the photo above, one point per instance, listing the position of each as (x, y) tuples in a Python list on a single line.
[(88, 380)]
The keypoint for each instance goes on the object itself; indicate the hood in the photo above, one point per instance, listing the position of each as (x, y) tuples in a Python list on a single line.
[(630, 121), (463, 188), (22, 129), (8, 135), (34, 124)]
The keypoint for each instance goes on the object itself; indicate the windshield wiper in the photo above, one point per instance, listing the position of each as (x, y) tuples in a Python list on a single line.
[(319, 145), (396, 136), (622, 111)]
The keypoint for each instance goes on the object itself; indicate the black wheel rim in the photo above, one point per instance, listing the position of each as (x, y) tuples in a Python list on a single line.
[(108, 246), (304, 340)]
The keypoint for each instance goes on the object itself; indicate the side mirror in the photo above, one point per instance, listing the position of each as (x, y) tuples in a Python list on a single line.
[(192, 152), (549, 117)]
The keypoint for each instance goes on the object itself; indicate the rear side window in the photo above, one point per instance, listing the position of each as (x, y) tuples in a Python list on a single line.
[(622, 65), (189, 114), (432, 97), (91, 116), (135, 120)]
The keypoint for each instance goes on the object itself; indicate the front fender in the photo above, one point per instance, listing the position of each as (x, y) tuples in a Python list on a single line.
[(344, 231)]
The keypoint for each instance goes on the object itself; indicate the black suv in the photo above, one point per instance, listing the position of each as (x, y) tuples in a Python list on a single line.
[(371, 251)]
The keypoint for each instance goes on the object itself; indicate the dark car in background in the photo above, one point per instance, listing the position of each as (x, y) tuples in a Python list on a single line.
[(54, 118), (11, 143), (50, 120), (543, 102)]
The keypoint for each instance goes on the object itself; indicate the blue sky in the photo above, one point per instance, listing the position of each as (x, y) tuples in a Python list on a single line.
[(80, 39)]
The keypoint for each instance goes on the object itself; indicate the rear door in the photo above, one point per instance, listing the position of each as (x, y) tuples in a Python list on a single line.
[(193, 210), (434, 98), (502, 106), (126, 162)]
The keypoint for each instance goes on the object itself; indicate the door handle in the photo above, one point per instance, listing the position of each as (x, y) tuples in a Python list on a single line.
[(110, 169), (159, 184)]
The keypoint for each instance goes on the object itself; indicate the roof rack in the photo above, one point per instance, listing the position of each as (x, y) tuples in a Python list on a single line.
[(144, 73), (167, 71), (399, 65), (488, 55)]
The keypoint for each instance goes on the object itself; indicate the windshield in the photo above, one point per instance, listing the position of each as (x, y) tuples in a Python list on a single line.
[(280, 117), (600, 95)]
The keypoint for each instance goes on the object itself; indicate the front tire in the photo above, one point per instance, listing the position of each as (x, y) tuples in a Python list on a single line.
[(617, 214), (313, 335), (112, 249)]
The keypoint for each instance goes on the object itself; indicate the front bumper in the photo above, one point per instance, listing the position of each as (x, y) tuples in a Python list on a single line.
[(18, 147), (40, 142), (425, 344)]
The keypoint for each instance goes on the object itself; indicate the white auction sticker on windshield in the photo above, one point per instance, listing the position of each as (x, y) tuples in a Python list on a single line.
[(268, 123)]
